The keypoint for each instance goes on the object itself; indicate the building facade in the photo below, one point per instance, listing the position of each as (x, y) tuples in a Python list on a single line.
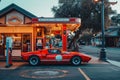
[(27, 30), (16, 22)]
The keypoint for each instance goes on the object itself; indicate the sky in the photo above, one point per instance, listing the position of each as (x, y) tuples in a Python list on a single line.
[(42, 8), (116, 6)]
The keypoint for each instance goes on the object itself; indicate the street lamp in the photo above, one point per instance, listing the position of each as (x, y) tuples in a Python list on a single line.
[(96, 1), (102, 52)]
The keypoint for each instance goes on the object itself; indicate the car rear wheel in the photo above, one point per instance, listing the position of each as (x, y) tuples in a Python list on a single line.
[(76, 60), (34, 60)]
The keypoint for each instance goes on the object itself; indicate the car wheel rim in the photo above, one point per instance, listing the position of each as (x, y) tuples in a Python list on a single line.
[(76, 61), (33, 60)]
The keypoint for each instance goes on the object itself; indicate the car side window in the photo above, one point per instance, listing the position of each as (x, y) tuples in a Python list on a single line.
[(49, 50), (54, 51), (58, 52)]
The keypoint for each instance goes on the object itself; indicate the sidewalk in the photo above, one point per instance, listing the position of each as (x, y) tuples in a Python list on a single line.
[(96, 60), (97, 49), (112, 54), (15, 65)]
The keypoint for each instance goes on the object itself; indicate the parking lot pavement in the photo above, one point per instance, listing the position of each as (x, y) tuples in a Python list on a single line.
[(102, 72), (94, 70), (42, 73), (61, 72)]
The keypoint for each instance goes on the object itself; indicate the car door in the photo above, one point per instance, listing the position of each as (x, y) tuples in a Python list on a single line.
[(55, 56)]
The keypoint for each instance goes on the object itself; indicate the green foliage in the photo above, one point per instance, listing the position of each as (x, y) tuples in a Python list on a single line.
[(66, 10), (87, 10), (115, 20)]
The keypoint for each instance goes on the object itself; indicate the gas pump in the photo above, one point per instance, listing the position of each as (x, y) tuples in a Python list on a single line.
[(9, 43)]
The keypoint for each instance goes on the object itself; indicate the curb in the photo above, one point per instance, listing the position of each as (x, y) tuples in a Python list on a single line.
[(96, 60), (116, 63)]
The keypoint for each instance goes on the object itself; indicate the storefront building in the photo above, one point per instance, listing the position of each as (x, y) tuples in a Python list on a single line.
[(112, 37), (27, 30)]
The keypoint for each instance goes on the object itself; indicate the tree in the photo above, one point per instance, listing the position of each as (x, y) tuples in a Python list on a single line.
[(67, 10), (87, 10), (115, 20)]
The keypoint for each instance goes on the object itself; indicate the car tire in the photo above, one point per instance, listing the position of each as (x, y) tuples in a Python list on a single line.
[(34, 60), (76, 60)]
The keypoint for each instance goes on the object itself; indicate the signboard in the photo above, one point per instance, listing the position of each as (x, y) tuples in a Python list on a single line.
[(56, 20), (53, 19), (68, 1)]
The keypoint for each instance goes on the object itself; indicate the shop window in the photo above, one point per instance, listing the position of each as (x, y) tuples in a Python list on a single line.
[(1, 40), (39, 32), (16, 40)]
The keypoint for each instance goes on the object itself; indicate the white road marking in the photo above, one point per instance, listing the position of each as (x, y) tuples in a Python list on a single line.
[(115, 69), (83, 73)]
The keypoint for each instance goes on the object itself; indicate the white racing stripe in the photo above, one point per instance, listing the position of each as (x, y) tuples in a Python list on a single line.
[(83, 73)]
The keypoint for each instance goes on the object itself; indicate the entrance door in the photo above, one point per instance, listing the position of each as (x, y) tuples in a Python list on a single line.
[(26, 42), (1, 45), (1, 50)]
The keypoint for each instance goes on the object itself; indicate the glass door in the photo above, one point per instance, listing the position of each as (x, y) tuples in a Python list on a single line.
[(26, 42), (1, 44)]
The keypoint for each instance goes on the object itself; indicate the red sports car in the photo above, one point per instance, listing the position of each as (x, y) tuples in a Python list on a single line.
[(54, 56)]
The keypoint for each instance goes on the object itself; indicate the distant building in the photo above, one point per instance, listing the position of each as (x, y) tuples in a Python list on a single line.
[(112, 37)]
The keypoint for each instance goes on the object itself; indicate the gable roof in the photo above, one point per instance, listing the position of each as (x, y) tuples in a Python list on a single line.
[(17, 8)]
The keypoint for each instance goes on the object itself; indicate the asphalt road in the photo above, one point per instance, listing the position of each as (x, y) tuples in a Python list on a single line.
[(111, 53), (62, 72)]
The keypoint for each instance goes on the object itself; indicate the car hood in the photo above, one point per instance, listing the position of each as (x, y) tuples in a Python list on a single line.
[(26, 53)]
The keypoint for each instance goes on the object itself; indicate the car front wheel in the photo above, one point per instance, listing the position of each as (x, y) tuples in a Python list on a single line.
[(76, 60), (34, 60)]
